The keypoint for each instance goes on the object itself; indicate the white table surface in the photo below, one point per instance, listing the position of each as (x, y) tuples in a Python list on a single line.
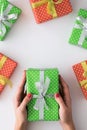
[(43, 45)]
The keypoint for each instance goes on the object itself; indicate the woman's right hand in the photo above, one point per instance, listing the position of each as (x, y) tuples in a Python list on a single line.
[(65, 110)]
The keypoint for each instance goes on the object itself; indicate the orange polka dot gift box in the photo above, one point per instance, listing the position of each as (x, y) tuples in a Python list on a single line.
[(45, 10), (42, 84), (80, 70), (7, 66)]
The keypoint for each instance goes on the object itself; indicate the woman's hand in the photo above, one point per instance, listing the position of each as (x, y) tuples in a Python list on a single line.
[(65, 110), (20, 103)]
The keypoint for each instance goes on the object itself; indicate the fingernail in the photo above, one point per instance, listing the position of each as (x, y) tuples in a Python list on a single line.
[(57, 95), (29, 95)]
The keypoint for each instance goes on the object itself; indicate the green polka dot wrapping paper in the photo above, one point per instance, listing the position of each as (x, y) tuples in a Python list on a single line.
[(79, 32), (42, 84), (8, 16)]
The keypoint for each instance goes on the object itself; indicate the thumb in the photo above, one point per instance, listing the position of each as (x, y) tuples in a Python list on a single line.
[(25, 101), (59, 100)]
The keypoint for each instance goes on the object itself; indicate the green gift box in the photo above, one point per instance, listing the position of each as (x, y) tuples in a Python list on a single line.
[(79, 32), (8, 16), (42, 84)]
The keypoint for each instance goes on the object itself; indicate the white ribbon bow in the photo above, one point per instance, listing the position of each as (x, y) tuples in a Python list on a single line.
[(4, 17), (42, 88), (82, 24)]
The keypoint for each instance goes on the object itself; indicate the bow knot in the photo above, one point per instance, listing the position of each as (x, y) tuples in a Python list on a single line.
[(3, 18)]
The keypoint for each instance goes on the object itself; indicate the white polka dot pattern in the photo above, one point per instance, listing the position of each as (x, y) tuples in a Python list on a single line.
[(41, 14), (7, 69), (33, 76), (79, 72)]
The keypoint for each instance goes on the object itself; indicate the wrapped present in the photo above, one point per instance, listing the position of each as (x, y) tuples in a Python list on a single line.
[(80, 70), (79, 32), (8, 16), (45, 10), (42, 84), (7, 66)]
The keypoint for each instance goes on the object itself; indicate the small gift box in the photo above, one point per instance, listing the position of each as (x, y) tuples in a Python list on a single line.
[(79, 32), (7, 67), (80, 70), (45, 10), (42, 84), (8, 16)]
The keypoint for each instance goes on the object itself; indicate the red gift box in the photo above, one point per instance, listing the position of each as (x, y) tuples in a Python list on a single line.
[(80, 70), (48, 9), (7, 67)]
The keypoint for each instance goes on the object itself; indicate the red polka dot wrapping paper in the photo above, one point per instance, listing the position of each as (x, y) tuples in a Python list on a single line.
[(79, 72), (41, 14), (7, 69)]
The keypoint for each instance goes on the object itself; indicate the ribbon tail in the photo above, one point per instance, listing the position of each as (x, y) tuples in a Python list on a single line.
[(83, 82), (85, 86), (46, 106), (4, 81), (82, 38), (84, 65), (36, 106), (2, 61), (41, 109), (51, 9), (2, 29), (9, 7), (2, 8), (47, 83), (7, 23)]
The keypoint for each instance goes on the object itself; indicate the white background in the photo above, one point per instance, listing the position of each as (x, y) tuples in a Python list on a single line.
[(43, 45)]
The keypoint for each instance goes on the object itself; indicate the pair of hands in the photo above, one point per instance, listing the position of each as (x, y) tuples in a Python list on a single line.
[(63, 99)]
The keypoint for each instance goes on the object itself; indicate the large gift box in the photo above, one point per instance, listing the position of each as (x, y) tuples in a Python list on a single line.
[(42, 84), (79, 32), (80, 70), (45, 10), (8, 16), (7, 66)]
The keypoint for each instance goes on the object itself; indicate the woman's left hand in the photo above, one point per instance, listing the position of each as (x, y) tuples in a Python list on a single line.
[(20, 103)]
